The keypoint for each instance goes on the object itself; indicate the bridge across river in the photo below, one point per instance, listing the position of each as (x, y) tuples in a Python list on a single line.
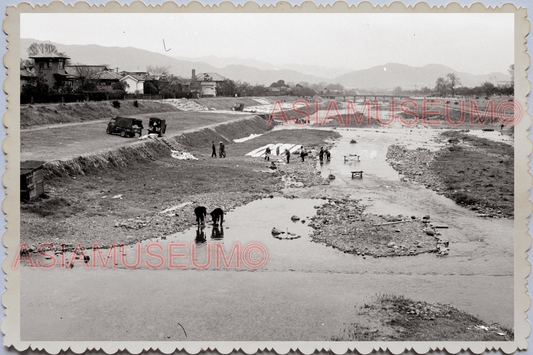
[(375, 97)]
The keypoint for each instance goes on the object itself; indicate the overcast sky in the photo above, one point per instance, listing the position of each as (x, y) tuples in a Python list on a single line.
[(474, 43)]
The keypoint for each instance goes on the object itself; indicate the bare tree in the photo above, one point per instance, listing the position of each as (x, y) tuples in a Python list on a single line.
[(42, 48), (453, 81), (85, 75), (157, 71)]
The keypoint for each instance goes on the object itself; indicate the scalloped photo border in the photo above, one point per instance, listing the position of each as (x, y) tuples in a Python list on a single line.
[(10, 325)]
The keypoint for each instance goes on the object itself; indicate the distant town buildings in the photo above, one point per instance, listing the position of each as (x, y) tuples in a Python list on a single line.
[(206, 83)]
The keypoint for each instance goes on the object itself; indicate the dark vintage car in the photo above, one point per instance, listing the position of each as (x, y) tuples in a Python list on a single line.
[(157, 125), (125, 126), (238, 107)]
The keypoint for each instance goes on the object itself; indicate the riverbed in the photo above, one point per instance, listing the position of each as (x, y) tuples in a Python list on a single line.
[(305, 291)]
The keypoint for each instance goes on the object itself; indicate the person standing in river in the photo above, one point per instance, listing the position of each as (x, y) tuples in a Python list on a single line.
[(303, 153), (214, 153), (267, 153), (321, 154), (288, 154)]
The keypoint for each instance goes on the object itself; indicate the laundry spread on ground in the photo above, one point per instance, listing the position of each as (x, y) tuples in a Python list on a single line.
[(273, 148)]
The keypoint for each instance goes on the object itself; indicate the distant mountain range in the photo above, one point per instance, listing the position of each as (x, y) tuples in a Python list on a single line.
[(249, 62), (386, 76), (392, 75)]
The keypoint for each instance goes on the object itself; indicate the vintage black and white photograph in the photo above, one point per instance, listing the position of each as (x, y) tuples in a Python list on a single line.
[(268, 177)]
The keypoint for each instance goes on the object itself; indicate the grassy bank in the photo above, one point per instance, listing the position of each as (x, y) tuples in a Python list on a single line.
[(395, 318), (474, 172), (44, 114)]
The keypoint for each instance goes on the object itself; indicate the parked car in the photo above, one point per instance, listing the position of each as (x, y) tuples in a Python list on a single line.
[(125, 126), (157, 125), (238, 107)]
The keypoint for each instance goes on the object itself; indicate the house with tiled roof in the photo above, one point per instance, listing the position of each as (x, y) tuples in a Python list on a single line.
[(77, 73), (105, 79), (51, 66), (138, 73), (206, 83), (135, 83)]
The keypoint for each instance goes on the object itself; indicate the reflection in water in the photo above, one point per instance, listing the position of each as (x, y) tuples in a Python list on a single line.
[(200, 236), (217, 233)]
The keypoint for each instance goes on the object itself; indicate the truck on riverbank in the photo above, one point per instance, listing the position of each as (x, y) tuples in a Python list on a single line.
[(125, 126)]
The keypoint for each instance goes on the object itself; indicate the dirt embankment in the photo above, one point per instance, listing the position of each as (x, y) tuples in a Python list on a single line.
[(151, 150), (472, 171), (43, 114)]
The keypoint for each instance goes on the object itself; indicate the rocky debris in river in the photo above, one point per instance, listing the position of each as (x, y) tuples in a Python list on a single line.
[(132, 223), (298, 174), (343, 224), (276, 231)]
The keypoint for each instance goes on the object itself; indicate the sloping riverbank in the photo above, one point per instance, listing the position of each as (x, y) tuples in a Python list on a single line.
[(44, 114)]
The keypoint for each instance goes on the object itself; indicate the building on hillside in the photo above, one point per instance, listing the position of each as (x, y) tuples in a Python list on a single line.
[(206, 83), (135, 84), (51, 66)]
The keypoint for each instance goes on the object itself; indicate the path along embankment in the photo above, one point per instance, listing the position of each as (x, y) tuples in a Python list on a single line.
[(152, 149)]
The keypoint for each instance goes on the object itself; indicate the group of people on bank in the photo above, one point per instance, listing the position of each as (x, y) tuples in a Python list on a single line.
[(323, 154)]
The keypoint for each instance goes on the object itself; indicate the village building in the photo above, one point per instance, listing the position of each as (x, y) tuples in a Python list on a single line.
[(135, 84), (26, 74), (206, 83), (138, 73), (105, 80), (51, 67), (101, 74)]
